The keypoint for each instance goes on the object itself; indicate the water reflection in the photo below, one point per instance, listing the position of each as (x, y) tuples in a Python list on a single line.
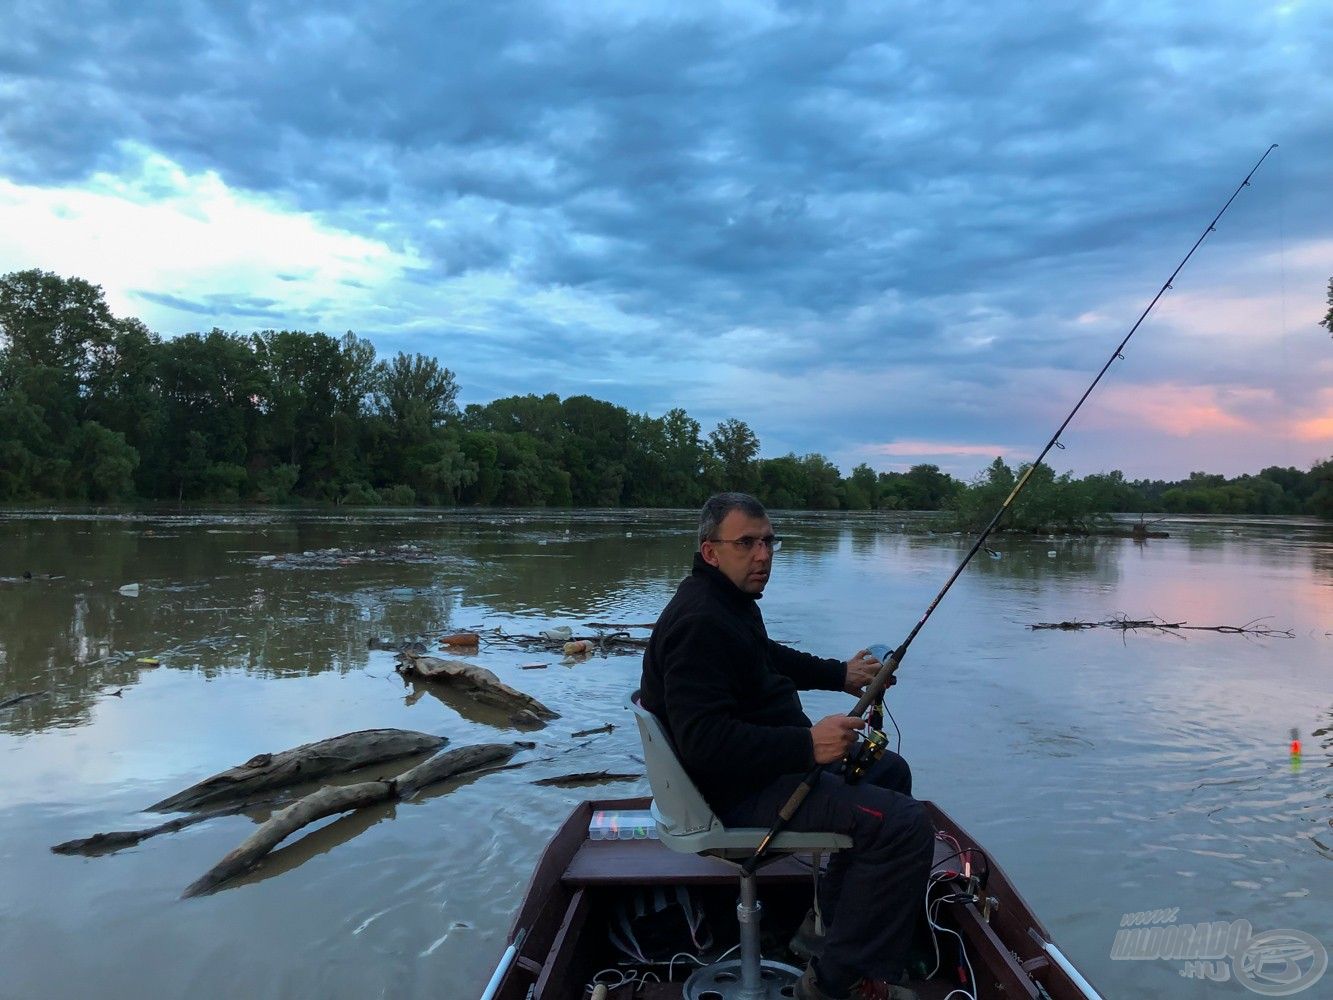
[(1155, 768)]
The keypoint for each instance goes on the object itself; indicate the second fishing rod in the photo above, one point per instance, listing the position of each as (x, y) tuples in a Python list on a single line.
[(891, 660)]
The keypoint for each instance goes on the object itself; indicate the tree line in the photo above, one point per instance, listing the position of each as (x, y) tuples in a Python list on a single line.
[(98, 408)]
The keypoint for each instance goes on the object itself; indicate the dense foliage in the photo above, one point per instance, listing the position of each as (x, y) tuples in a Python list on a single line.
[(97, 408)]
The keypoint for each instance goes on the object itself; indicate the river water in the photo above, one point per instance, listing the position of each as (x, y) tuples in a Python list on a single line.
[(1108, 772)]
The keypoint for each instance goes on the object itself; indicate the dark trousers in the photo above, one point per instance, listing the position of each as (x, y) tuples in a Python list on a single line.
[(873, 893)]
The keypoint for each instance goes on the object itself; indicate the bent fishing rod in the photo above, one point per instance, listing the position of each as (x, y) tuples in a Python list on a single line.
[(890, 661)]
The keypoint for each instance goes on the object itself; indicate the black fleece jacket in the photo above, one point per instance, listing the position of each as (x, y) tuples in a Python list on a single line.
[(727, 692)]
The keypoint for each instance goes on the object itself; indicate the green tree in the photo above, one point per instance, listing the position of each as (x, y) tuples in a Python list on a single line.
[(735, 446), (103, 462), (782, 482), (300, 375), (861, 488), (823, 483), (416, 387), (51, 322), (1321, 498), (215, 404)]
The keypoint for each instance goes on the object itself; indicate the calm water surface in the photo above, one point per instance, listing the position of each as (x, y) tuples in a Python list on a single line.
[(1108, 773)]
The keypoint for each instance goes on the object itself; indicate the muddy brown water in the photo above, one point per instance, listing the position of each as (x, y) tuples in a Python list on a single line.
[(1109, 773)]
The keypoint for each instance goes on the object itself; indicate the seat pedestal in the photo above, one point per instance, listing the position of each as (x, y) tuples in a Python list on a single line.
[(722, 981), (749, 977)]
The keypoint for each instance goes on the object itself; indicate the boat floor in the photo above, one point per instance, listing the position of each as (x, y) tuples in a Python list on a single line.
[(560, 938), (605, 864)]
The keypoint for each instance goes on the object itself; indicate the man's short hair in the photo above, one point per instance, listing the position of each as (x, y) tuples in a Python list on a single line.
[(719, 505)]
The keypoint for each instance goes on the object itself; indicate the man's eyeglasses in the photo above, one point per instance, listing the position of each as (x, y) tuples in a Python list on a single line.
[(748, 542)]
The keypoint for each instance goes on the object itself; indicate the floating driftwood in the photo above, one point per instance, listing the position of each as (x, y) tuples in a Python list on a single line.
[(1126, 624), (333, 558), (20, 698), (585, 778), (608, 728), (554, 640), (116, 840), (336, 799), (479, 682), (308, 762), (404, 646)]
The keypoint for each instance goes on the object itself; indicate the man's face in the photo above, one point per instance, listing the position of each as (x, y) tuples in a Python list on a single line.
[(748, 570)]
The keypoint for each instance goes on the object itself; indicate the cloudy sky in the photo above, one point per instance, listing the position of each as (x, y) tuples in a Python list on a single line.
[(895, 233)]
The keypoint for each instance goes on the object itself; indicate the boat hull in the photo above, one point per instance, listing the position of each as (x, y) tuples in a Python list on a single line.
[(557, 942)]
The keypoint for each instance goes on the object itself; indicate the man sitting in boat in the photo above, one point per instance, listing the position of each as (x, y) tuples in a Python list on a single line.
[(728, 695)]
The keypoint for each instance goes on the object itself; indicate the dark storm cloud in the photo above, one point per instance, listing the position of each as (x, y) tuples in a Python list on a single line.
[(219, 304), (923, 183)]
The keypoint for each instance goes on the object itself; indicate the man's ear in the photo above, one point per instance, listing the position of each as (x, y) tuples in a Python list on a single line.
[(709, 552)]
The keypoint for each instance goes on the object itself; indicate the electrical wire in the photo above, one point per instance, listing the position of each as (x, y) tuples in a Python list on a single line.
[(638, 978), (931, 908)]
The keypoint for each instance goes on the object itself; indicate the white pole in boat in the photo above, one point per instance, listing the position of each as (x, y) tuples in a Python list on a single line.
[(1058, 956), (506, 960)]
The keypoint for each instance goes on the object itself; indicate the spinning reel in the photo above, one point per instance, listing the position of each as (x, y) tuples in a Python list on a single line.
[(868, 749)]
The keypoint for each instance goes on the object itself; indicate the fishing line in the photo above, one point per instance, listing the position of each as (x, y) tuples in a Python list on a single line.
[(875, 689)]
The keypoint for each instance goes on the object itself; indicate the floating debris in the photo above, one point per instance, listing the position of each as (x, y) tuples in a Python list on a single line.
[(334, 558), (461, 639), (13, 700), (608, 728), (267, 771), (478, 682), (585, 778), (1126, 624)]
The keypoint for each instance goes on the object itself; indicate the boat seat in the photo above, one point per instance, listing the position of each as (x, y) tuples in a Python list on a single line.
[(686, 823)]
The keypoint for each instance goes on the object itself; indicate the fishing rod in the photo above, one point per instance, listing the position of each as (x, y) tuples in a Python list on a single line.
[(874, 691)]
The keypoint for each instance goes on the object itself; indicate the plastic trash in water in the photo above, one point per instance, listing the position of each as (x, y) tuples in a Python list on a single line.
[(562, 634), (1050, 553), (578, 647), (129, 590)]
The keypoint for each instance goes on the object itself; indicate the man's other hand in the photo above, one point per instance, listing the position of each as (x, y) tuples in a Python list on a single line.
[(861, 670), (833, 737)]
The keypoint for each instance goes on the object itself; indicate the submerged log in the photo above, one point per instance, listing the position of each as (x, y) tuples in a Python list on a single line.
[(280, 825), (586, 778), (608, 728), (115, 840), (340, 798), (1127, 624), (479, 682), (20, 698), (308, 762)]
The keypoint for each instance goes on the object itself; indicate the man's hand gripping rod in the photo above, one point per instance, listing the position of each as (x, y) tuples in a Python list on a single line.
[(884, 677)]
